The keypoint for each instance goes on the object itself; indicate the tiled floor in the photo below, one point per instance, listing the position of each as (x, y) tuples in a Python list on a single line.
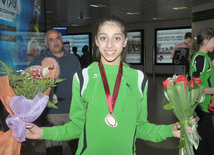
[(156, 114)]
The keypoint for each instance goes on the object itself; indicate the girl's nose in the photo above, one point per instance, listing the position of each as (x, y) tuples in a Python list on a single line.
[(109, 43)]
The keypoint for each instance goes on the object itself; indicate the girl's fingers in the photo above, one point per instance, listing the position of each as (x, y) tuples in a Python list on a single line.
[(29, 125)]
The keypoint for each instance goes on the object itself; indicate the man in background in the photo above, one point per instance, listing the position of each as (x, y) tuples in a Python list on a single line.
[(184, 44), (69, 65)]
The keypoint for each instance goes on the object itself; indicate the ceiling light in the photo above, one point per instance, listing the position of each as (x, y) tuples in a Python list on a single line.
[(180, 8), (74, 25), (157, 18), (98, 5), (49, 11), (132, 13)]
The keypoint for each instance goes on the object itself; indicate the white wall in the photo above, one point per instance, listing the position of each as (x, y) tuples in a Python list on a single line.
[(149, 42)]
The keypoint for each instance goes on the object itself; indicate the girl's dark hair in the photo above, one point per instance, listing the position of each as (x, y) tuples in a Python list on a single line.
[(123, 27), (197, 42)]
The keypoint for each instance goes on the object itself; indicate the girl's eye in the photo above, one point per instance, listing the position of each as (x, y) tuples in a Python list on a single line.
[(102, 38)]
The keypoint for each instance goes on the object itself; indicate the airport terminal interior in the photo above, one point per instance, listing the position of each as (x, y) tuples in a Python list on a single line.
[(150, 44)]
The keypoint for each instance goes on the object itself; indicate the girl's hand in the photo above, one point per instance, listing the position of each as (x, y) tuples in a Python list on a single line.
[(33, 131), (176, 128)]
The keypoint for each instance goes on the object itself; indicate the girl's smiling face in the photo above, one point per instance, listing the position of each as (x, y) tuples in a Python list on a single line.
[(110, 40)]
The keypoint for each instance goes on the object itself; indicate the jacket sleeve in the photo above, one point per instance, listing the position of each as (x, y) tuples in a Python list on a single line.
[(199, 66), (149, 131), (72, 129)]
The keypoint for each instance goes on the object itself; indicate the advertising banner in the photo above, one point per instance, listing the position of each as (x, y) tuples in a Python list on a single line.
[(134, 50), (165, 40), (17, 19)]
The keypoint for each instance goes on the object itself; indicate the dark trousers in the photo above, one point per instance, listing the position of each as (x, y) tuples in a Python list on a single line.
[(57, 150), (205, 130)]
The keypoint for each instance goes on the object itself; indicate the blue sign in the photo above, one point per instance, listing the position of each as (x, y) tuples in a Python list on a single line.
[(17, 19)]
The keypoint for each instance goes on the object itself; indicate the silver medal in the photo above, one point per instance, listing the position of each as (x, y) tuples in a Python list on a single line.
[(111, 120)]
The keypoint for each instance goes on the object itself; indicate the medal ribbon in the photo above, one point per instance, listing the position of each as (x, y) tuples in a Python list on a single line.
[(111, 101)]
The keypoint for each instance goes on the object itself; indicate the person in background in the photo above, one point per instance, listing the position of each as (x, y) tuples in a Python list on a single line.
[(89, 55), (66, 46), (74, 50), (69, 64), (202, 67), (86, 58), (108, 125), (184, 44)]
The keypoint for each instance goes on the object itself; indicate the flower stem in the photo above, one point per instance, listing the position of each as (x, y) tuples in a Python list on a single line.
[(187, 149)]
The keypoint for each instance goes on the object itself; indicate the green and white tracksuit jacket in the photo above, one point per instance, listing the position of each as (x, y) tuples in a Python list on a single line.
[(89, 109)]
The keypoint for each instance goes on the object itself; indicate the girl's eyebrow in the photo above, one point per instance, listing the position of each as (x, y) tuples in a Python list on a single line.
[(118, 34), (102, 34), (106, 34)]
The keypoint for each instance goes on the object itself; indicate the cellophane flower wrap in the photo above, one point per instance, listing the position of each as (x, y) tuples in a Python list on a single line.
[(24, 95), (184, 95)]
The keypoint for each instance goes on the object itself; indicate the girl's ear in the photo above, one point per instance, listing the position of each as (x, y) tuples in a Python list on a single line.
[(205, 41), (96, 42), (125, 42)]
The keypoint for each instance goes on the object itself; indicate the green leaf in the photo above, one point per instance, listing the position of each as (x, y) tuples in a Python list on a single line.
[(52, 105), (194, 94), (7, 70), (182, 142), (3, 73), (168, 107)]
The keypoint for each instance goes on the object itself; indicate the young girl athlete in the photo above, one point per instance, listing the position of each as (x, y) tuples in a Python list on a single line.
[(202, 67), (109, 103)]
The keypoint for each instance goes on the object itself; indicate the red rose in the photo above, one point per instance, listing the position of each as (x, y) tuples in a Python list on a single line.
[(166, 83), (50, 68), (197, 80), (35, 74), (35, 71), (182, 78), (194, 80)]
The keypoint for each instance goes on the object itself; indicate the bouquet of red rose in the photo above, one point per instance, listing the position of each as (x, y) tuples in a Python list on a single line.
[(183, 97), (24, 95)]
